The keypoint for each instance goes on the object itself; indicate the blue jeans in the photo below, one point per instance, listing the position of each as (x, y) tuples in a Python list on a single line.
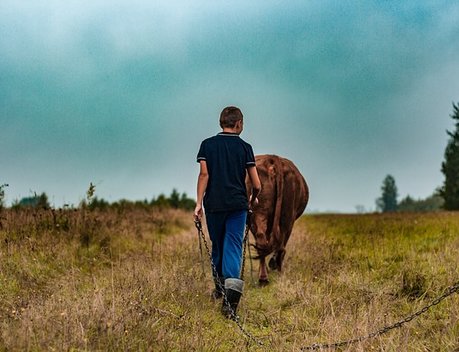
[(226, 231)]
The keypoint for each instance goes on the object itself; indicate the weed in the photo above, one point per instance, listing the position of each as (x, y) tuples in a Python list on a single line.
[(2, 202), (137, 283), (413, 284)]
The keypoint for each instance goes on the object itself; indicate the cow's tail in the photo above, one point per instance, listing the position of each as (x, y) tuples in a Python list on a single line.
[(275, 241), (276, 237)]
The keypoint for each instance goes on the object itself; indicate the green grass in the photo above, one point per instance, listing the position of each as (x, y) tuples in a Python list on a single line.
[(133, 281)]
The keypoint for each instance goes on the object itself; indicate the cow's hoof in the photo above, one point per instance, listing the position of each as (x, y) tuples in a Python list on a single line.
[(263, 282), (273, 263)]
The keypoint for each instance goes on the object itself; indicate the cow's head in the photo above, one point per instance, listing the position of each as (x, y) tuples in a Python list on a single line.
[(260, 228), (263, 213)]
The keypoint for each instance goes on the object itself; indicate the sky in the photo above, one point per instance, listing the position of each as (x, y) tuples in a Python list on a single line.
[(121, 93)]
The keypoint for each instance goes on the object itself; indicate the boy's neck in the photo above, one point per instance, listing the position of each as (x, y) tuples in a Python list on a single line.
[(231, 130)]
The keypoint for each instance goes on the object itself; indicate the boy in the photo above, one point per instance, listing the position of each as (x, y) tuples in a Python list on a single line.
[(224, 161)]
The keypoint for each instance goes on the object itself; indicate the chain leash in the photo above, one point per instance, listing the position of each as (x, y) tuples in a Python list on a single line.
[(234, 317), (448, 292), (246, 244), (244, 249), (200, 256)]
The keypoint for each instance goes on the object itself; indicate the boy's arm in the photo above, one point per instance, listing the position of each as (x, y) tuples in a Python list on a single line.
[(256, 185), (203, 178)]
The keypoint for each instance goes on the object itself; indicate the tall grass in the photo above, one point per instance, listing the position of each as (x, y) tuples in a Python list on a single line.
[(132, 280)]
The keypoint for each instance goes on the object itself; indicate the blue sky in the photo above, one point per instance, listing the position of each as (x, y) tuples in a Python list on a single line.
[(121, 93)]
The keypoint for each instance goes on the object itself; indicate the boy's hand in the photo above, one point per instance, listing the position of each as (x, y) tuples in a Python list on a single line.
[(198, 212), (252, 202)]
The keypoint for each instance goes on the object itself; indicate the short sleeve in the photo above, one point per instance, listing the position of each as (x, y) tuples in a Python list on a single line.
[(201, 153), (250, 157)]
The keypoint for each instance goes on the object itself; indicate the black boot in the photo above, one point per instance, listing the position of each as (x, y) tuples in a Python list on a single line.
[(233, 293), (217, 293)]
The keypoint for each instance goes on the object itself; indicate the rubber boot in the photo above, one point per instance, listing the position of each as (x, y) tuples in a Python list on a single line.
[(233, 293), (217, 293)]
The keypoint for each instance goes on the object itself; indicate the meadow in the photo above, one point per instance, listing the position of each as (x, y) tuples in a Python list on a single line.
[(132, 279)]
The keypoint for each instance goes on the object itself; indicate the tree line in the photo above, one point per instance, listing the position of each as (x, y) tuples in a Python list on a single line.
[(175, 200), (445, 197), (388, 202)]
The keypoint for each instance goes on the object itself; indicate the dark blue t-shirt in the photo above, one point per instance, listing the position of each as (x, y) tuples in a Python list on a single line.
[(227, 157)]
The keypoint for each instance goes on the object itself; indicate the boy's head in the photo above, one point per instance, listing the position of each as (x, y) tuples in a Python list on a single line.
[(230, 116)]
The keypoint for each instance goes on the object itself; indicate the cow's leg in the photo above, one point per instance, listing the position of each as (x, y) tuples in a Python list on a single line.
[(280, 258), (263, 273), (275, 263), (280, 253)]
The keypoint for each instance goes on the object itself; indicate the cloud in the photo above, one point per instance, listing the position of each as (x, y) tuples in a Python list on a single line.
[(128, 88)]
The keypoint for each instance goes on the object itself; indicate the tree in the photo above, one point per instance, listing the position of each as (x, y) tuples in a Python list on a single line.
[(187, 203), (388, 200), (174, 199), (450, 166), (2, 201), (2, 195), (161, 202), (97, 203), (37, 201), (432, 203)]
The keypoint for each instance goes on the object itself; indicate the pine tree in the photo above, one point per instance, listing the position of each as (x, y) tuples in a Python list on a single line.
[(388, 200), (450, 167)]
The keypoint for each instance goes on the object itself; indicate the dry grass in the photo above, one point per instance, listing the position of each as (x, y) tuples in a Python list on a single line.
[(132, 280)]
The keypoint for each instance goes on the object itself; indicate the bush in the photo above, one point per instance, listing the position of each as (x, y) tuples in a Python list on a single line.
[(433, 203)]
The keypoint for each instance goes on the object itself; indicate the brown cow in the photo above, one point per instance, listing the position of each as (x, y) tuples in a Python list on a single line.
[(282, 200)]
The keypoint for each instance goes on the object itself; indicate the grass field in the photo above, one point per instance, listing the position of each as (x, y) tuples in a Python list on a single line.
[(132, 279)]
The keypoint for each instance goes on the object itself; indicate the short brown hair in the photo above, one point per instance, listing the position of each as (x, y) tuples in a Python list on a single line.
[(229, 116)]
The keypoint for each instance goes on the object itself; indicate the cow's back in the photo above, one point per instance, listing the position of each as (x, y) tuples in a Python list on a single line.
[(296, 191), (283, 198)]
